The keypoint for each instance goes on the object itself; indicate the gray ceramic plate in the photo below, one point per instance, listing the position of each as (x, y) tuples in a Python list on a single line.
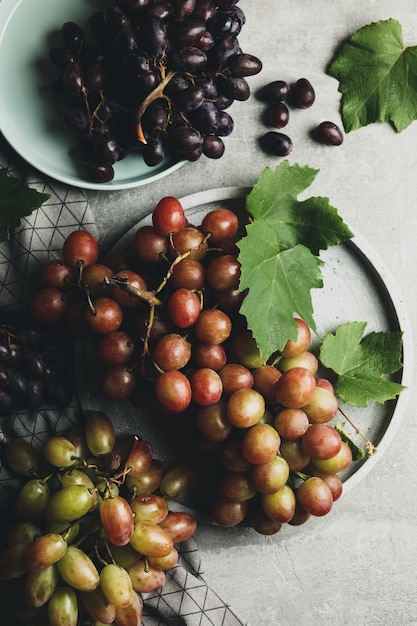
[(30, 111), (357, 287)]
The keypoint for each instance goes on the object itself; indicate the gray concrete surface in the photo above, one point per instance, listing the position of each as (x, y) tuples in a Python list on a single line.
[(357, 566)]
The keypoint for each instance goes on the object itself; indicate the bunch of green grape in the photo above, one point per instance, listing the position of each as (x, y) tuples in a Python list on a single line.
[(91, 528)]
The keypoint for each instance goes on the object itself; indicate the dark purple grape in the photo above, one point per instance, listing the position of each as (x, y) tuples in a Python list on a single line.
[(277, 115), (302, 94), (100, 172), (242, 64), (72, 79), (194, 155), (147, 81), (276, 144), (154, 151), (5, 353), (222, 102), (4, 375), (62, 56), (209, 86), (161, 10), (205, 118), (156, 115), (95, 77), (114, 17), (27, 336), (185, 139), (276, 91), (236, 88), (189, 32), (106, 148), (224, 49), (16, 387), (213, 146), (190, 99), (206, 41), (6, 403), (205, 10), (126, 39), (225, 123), (32, 364), (14, 356), (183, 8), (92, 54), (175, 85), (72, 35), (135, 64), (329, 134), (35, 393), (156, 37), (188, 59)]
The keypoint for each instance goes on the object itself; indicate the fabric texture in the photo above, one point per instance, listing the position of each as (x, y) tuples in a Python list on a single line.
[(186, 599)]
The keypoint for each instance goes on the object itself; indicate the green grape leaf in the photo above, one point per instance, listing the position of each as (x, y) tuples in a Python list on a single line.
[(17, 200), (377, 77), (363, 363), (357, 453), (278, 284), (312, 222)]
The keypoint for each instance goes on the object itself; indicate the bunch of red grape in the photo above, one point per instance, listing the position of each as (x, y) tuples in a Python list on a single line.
[(168, 331), (90, 534), (30, 371), (156, 76)]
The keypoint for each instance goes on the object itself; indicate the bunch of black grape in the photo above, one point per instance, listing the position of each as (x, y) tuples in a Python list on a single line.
[(155, 76), (91, 527), (30, 372)]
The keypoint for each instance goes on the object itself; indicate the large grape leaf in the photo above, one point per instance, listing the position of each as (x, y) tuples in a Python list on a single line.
[(312, 222), (17, 200), (377, 77), (278, 255), (363, 364), (279, 284)]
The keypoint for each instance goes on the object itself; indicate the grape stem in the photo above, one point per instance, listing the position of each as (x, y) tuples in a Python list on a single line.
[(371, 449), (134, 292), (158, 92)]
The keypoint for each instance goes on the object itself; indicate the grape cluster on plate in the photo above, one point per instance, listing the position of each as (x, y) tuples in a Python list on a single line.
[(168, 332), (155, 76), (89, 533)]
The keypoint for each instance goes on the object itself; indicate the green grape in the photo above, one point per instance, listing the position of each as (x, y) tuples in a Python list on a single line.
[(178, 481), (78, 570), (116, 585), (40, 585), (22, 457), (151, 540), (280, 505), (106, 489), (12, 561), (99, 433), (46, 550), (69, 504), (126, 556), (63, 607), (32, 500), (70, 531), (98, 606), (59, 451), (22, 532), (76, 476)]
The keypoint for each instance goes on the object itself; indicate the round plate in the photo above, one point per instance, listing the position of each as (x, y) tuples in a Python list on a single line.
[(357, 287), (30, 112)]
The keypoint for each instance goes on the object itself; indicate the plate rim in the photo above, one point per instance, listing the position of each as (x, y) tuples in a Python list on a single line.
[(8, 9)]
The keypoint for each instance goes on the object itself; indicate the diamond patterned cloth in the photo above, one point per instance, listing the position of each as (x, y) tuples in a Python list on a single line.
[(186, 599)]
